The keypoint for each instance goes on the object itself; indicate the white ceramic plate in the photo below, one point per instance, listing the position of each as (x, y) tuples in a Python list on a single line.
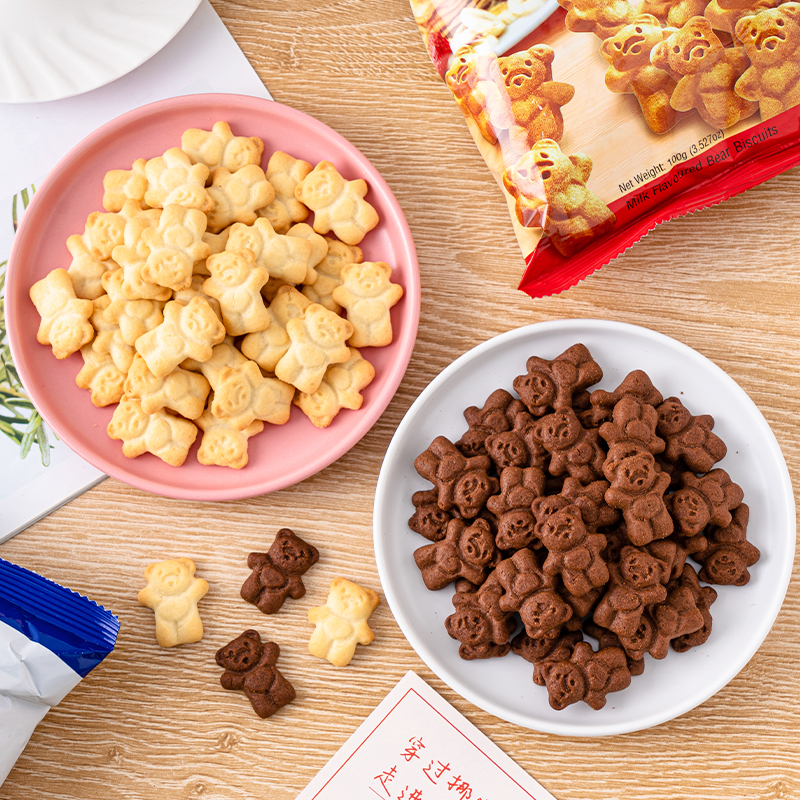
[(51, 49), (742, 616)]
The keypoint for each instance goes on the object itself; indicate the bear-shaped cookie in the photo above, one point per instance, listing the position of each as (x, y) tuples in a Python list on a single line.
[(341, 623), (284, 172), (603, 18), (220, 148), (173, 592), (237, 196), (222, 445), (673, 13), (172, 178), (338, 204), (706, 73), (772, 41), (630, 70), (250, 666), (549, 191)]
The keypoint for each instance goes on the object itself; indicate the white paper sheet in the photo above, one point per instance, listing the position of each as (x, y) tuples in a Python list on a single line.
[(203, 57), (416, 746)]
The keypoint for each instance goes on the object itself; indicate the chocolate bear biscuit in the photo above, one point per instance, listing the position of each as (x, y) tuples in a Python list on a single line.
[(706, 73), (704, 499), (689, 438), (728, 555), (467, 551), (586, 676), (463, 483), (497, 415), (549, 385), (549, 191), (607, 638), (678, 615), (704, 597), (249, 666), (277, 573), (632, 420), (631, 72), (520, 576), (562, 647), (428, 519), (636, 383)]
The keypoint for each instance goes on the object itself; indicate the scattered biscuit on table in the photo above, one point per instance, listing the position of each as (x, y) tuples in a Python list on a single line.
[(173, 592), (341, 623), (250, 666)]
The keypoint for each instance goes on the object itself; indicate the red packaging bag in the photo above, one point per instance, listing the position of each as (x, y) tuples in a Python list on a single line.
[(601, 119)]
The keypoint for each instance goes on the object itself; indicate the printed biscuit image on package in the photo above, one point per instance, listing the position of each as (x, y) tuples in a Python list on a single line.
[(662, 108)]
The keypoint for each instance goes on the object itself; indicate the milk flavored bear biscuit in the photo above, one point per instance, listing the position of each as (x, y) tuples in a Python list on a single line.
[(601, 17), (338, 204), (269, 346), (341, 623), (317, 340), (284, 257), (120, 185), (222, 445), (631, 72), (368, 294), (172, 178), (340, 388), (186, 332), (673, 13), (329, 272), (101, 376), (86, 271), (236, 282), (550, 192), (65, 318), (319, 248), (134, 317), (706, 73), (284, 172), (164, 435), (173, 592), (108, 336), (534, 98), (724, 14), (772, 41), (237, 196), (175, 245), (195, 289), (222, 355), (220, 148), (242, 394), (127, 282), (181, 391)]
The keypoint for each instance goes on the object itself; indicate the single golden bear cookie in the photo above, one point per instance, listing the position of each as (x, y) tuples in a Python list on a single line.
[(120, 185), (108, 338), (187, 332), (127, 282), (223, 355), (101, 376), (706, 73), (65, 318), (237, 196), (85, 271), (772, 41), (673, 13), (368, 294), (329, 272), (134, 317), (220, 148), (603, 18), (172, 178), (283, 257), (173, 592), (184, 296), (182, 391), (550, 191), (338, 204), (317, 339), (340, 388), (724, 14), (175, 245), (269, 346), (242, 394), (342, 622), (284, 172), (236, 282), (222, 445), (164, 435)]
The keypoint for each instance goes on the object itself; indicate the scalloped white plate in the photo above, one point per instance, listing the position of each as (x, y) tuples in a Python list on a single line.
[(742, 616), (50, 49)]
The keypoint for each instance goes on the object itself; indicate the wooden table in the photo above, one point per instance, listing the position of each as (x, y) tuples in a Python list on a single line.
[(154, 723)]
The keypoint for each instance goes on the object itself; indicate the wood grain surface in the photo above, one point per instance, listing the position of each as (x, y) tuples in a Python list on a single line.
[(152, 723)]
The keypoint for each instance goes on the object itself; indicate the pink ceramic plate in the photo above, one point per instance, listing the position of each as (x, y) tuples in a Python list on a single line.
[(281, 455)]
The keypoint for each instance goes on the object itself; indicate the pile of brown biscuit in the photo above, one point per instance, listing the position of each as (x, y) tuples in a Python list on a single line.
[(575, 512)]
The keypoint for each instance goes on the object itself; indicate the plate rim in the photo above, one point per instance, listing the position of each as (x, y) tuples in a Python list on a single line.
[(433, 662), (412, 290)]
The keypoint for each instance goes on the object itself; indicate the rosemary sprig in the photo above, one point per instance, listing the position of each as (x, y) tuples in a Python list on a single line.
[(19, 419)]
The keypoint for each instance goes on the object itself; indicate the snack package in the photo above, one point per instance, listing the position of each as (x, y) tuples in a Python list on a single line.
[(50, 638), (600, 119)]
